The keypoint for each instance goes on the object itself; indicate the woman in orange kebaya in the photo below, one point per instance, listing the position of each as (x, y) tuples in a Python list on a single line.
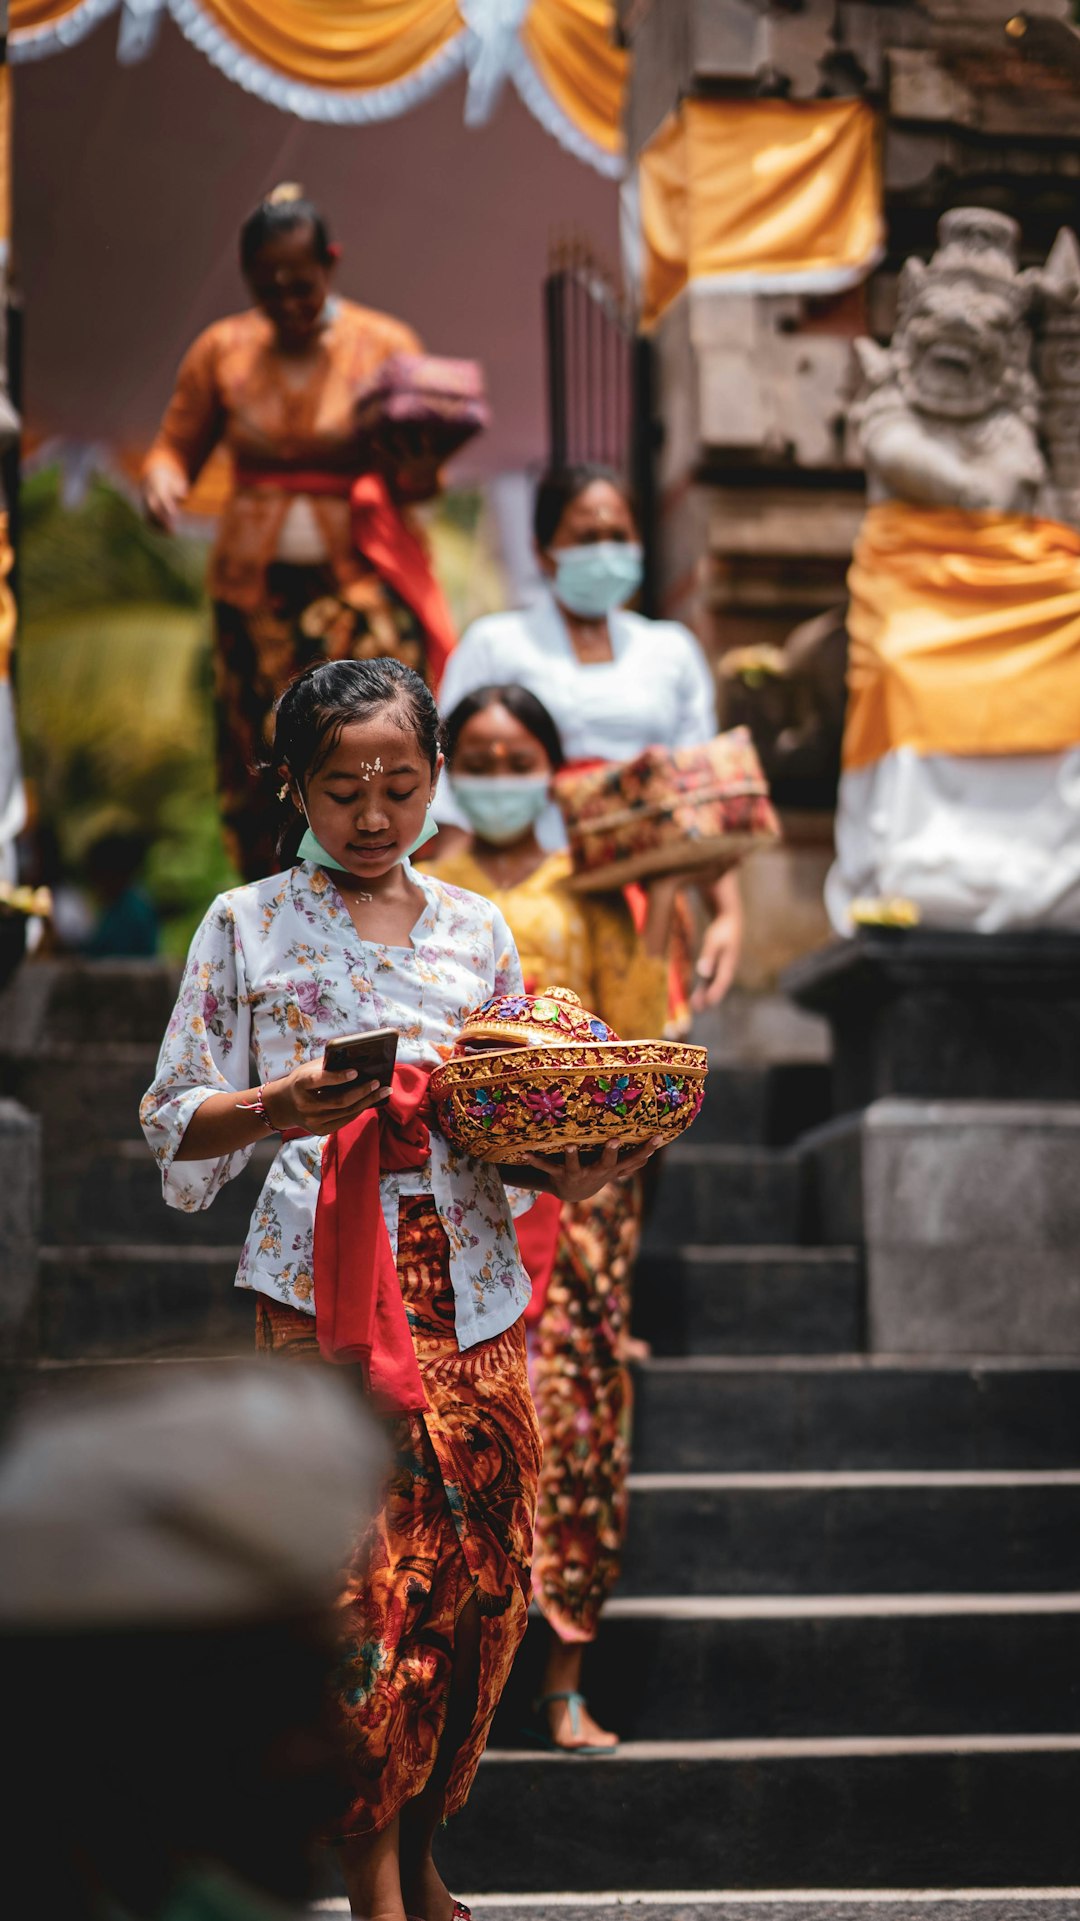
[(277, 385)]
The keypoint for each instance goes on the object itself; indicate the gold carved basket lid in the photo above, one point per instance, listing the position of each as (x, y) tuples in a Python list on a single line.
[(553, 1018)]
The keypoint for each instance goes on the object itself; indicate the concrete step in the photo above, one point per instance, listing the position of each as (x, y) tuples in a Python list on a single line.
[(80, 1092), (709, 1194), (770, 1104), (749, 1300), (713, 1904), (713, 1412), (111, 1193), (87, 1002), (724, 1669), (953, 1810), (130, 1302), (903, 1533)]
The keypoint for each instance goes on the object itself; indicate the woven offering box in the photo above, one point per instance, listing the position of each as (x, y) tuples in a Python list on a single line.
[(666, 812), (446, 398), (536, 1074)]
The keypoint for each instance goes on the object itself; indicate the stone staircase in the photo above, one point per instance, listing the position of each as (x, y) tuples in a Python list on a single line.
[(845, 1654)]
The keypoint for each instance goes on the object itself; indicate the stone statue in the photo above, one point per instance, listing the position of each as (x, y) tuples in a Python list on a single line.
[(948, 414)]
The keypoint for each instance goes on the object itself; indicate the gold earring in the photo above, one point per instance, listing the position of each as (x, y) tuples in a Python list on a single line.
[(283, 790)]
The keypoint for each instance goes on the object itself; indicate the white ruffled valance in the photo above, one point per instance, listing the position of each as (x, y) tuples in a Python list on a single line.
[(543, 47)]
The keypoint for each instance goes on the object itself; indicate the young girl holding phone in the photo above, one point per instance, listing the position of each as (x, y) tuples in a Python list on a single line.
[(351, 937)]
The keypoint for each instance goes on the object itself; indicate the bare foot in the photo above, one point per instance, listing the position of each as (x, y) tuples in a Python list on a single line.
[(425, 1893), (572, 1726)]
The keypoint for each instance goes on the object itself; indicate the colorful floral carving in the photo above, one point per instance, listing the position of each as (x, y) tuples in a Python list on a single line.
[(617, 1092), (488, 1105)]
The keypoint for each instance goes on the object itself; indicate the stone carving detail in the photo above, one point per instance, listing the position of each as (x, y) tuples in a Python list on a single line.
[(950, 413)]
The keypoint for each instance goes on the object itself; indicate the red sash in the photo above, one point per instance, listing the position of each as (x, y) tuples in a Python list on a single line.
[(295, 480), (359, 1313), (386, 541), (538, 1240)]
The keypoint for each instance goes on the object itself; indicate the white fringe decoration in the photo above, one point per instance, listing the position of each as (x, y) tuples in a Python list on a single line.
[(297, 96), (490, 48), (34, 43), (547, 110)]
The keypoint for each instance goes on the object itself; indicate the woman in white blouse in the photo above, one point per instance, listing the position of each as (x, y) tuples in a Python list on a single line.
[(614, 682), (349, 937)]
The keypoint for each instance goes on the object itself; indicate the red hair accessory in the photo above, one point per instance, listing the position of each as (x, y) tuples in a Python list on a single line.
[(333, 252)]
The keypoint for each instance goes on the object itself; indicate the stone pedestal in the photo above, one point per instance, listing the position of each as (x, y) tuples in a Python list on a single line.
[(20, 1210), (970, 1216), (942, 1016)]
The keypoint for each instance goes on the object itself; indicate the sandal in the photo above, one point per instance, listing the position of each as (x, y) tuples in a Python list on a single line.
[(575, 1702), (461, 1913)]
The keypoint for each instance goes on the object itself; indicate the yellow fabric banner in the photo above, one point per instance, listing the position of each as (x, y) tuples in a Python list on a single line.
[(964, 634), (344, 61), (760, 195), (23, 15), (335, 43), (571, 44)]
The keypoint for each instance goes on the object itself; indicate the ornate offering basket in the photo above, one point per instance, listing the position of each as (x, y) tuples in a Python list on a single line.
[(666, 812), (445, 397), (536, 1074)]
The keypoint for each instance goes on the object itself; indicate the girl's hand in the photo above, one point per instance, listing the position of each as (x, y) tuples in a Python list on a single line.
[(573, 1182), (721, 946), (164, 491), (318, 1102)]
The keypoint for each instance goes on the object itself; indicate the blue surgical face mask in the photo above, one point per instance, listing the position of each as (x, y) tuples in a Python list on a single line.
[(501, 808), (591, 580), (312, 849)]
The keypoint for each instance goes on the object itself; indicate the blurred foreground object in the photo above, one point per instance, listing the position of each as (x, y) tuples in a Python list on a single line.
[(177, 1544), (961, 758)]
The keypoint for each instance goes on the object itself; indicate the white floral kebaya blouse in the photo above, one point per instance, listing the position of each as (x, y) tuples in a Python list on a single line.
[(275, 971)]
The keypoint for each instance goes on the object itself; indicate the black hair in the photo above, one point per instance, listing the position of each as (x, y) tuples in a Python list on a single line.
[(320, 703), (272, 218), (560, 486), (517, 700)]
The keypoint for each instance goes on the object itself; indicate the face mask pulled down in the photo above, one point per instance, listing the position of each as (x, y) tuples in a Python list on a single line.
[(501, 808), (312, 849), (592, 580)]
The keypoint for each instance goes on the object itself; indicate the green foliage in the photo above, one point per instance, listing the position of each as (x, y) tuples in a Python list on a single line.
[(101, 554), (115, 698), (115, 679)]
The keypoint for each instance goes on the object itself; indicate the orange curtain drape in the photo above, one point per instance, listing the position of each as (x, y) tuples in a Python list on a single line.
[(24, 15), (763, 195), (571, 44), (569, 70), (335, 43)]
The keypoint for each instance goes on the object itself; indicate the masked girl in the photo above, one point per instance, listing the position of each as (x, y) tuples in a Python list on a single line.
[(502, 748), (613, 681), (350, 937)]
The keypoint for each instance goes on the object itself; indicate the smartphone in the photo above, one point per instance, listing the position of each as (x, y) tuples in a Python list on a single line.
[(372, 1054)]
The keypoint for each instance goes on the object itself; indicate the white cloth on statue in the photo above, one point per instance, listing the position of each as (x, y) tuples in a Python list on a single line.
[(656, 691), (984, 843)]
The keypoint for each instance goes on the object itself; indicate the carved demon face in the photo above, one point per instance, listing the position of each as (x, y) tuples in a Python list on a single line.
[(960, 349)]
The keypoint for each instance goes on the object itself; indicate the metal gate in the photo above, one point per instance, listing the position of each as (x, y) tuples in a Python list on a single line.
[(599, 381)]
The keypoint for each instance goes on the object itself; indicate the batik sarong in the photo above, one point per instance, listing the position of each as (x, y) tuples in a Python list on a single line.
[(583, 1398), (455, 1525)]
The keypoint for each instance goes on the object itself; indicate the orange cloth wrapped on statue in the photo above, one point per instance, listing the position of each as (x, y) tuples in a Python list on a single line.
[(359, 1316), (964, 634)]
